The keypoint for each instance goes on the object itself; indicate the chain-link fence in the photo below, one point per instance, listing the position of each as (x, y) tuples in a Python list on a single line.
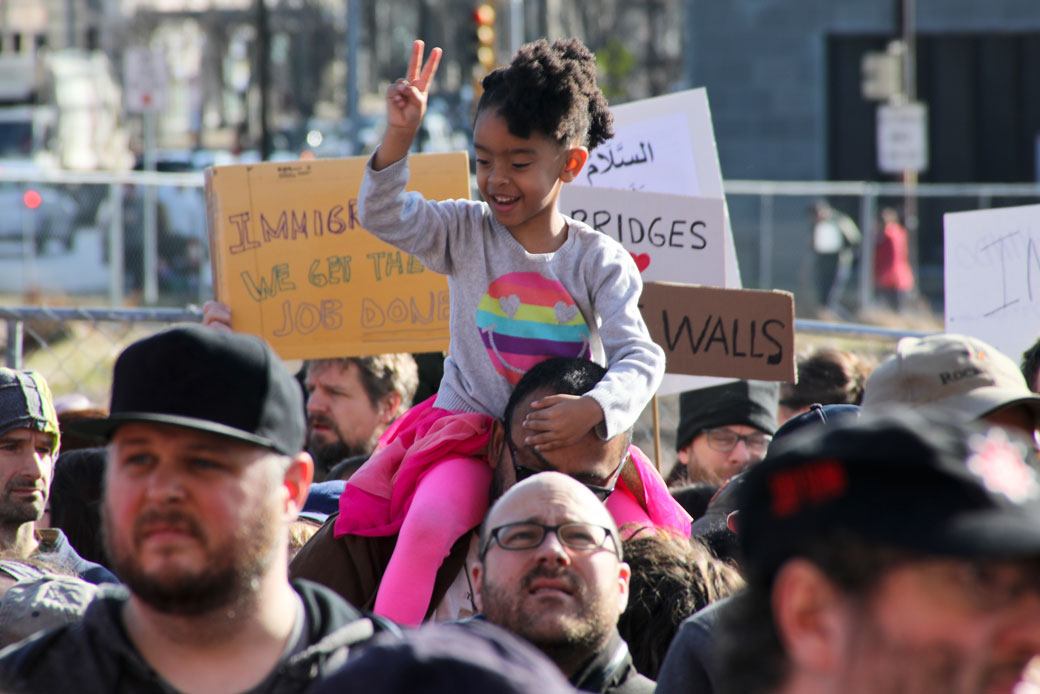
[(75, 348)]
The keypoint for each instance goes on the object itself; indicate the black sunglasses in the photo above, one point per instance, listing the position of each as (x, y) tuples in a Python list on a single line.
[(523, 472)]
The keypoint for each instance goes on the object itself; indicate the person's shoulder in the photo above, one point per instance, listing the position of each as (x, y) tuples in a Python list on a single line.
[(68, 656)]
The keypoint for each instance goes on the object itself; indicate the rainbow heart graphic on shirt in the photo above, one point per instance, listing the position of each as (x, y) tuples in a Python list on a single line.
[(525, 318)]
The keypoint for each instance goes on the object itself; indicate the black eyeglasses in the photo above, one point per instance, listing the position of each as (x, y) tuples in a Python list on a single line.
[(725, 440), (528, 535), (523, 472)]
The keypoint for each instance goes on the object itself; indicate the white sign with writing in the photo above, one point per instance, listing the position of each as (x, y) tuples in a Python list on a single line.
[(902, 138), (674, 134), (992, 276), (629, 159), (672, 238)]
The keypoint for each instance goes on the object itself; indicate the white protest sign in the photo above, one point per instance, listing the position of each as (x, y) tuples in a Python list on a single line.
[(674, 134), (669, 169), (992, 276), (673, 238)]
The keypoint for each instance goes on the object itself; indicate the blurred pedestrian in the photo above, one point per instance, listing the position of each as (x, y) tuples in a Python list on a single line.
[(835, 242), (893, 276)]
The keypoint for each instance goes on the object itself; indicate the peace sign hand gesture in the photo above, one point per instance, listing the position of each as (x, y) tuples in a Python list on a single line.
[(406, 98), (405, 107)]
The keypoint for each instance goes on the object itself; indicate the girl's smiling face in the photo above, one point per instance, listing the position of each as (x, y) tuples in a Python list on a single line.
[(520, 178)]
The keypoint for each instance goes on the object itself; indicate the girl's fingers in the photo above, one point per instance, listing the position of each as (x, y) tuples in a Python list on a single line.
[(416, 60), (430, 69)]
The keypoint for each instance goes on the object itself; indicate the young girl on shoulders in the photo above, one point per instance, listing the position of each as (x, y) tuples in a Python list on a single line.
[(526, 283)]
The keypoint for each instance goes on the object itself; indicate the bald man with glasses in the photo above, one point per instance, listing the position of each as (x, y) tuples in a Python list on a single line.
[(550, 570)]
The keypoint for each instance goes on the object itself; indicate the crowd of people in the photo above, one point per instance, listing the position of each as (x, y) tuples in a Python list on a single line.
[(862, 529)]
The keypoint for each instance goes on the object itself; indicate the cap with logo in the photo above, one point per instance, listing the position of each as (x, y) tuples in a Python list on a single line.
[(26, 403), (196, 377), (904, 479), (958, 375)]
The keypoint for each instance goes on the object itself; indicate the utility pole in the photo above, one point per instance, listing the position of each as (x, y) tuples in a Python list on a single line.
[(263, 49)]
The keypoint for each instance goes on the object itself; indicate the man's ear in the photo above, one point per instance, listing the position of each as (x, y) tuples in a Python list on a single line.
[(496, 443), (476, 572), (813, 618), (624, 576), (297, 481), (574, 162), (388, 405)]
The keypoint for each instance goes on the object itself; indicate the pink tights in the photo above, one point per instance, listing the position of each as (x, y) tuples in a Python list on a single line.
[(450, 499)]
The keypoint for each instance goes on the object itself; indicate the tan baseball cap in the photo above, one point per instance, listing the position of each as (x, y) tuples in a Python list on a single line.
[(959, 375)]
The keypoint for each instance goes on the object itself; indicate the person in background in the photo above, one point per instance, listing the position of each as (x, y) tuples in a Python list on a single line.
[(959, 377), (893, 276), (75, 501), (835, 241), (672, 577), (724, 429), (29, 443), (826, 376)]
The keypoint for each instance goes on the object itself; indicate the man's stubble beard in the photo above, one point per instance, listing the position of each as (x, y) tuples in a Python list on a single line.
[(561, 636), (231, 576)]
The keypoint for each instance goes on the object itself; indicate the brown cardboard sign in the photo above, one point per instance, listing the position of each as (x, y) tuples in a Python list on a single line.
[(710, 331), (294, 264)]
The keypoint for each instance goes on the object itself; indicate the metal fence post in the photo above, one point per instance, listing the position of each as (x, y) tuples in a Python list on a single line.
[(13, 348), (765, 241), (115, 245), (868, 214)]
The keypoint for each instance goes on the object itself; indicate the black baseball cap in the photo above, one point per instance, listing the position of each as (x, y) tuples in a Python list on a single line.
[(904, 479), (196, 377)]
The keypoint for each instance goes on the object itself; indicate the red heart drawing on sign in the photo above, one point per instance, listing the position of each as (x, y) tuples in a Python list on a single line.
[(642, 260)]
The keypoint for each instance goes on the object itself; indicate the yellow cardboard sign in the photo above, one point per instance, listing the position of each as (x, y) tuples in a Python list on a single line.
[(294, 264)]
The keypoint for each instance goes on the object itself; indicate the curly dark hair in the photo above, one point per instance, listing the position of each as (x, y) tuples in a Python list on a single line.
[(551, 90)]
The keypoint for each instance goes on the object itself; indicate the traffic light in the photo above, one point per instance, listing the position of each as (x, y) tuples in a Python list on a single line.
[(484, 17)]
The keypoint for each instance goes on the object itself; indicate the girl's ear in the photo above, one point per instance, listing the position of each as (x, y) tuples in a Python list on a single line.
[(575, 158)]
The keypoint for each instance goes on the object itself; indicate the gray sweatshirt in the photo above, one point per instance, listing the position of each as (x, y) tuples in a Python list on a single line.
[(511, 309)]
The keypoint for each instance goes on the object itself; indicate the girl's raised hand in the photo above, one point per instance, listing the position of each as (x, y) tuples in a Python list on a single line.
[(406, 98), (557, 421)]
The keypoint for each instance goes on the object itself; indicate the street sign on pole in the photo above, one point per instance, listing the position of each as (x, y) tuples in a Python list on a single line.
[(145, 80), (902, 137)]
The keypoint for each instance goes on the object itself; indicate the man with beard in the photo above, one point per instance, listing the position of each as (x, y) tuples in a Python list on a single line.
[(550, 570), (350, 403), (900, 553), (723, 429), (29, 440), (204, 476)]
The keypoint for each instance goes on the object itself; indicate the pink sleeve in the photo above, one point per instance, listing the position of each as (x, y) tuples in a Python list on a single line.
[(657, 508)]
